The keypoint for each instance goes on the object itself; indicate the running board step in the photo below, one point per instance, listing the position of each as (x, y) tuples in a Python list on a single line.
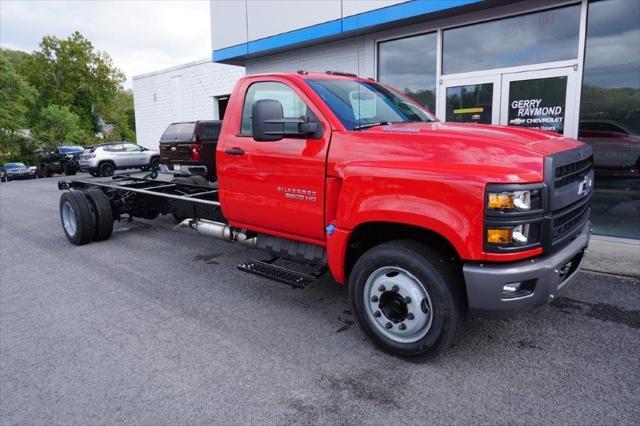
[(281, 274)]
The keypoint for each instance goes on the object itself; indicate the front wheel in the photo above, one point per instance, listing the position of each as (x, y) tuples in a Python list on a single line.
[(407, 298)]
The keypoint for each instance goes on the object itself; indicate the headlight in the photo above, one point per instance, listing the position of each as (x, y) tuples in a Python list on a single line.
[(514, 200)]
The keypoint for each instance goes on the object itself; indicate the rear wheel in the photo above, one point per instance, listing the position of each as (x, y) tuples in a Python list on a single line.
[(407, 298), (106, 169), (154, 164), (178, 216), (77, 217), (46, 172), (104, 213)]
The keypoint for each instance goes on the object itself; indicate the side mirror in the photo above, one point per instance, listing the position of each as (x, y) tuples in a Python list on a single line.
[(267, 120)]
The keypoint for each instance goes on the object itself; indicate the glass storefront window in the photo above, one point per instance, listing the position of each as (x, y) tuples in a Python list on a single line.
[(550, 35), (610, 114), (409, 64), (472, 103)]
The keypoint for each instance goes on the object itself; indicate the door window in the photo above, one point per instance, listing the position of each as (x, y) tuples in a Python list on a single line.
[(292, 105), (132, 148), (538, 103), (470, 104)]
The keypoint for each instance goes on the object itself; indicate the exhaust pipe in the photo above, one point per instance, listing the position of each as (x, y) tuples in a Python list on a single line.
[(218, 230)]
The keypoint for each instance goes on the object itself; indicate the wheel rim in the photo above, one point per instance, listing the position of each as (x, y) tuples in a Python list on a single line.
[(107, 170), (398, 305), (69, 219)]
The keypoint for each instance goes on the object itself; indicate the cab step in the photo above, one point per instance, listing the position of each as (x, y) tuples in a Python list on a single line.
[(285, 275)]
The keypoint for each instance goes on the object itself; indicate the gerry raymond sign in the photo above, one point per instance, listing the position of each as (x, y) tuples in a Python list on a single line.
[(538, 103), (534, 114)]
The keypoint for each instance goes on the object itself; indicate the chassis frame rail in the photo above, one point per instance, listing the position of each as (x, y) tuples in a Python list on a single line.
[(163, 189)]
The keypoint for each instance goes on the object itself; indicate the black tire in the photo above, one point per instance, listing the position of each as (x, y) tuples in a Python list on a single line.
[(106, 169), (177, 216), (66, 169), (199, 180), (46, 172), (443, 308), (104, 213), (154, 164), (83, 217), (3, 179)]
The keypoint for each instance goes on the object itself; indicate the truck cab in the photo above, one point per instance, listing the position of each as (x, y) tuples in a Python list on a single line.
[(352, 165)]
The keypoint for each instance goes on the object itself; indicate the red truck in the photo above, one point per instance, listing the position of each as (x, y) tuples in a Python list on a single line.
[(425, 221)]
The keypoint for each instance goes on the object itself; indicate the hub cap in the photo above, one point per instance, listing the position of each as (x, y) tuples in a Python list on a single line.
[(397, 304), (69, 219)]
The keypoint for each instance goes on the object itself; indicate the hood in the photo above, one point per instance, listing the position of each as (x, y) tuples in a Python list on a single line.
[(500, 153), (520, 138)]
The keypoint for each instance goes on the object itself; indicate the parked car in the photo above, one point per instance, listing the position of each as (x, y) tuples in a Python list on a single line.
[(616, 147), (105, 158), (189, 148), (423, 220), (63, 159), (14, 171)]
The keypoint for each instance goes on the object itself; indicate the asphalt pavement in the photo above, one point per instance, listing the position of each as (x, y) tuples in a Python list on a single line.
[(157, 326)]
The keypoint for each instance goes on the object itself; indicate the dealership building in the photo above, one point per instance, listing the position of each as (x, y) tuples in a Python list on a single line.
[(572, 67)]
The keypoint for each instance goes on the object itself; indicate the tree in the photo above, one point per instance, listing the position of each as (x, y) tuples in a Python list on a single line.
[(71, 72), (123, 117), (57, 126), (16, 99)]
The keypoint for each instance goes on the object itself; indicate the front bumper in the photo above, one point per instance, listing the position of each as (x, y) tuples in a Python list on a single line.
[(20, 176), (542, 278)]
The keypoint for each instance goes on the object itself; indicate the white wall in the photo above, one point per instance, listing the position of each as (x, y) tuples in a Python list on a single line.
[(350, 55), (235, 22), (183, 93)]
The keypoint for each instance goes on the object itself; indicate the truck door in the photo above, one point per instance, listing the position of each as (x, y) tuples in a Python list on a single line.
[(274, 186)]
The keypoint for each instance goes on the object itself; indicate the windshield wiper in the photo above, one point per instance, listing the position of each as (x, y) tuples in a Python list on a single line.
[(367, 125)]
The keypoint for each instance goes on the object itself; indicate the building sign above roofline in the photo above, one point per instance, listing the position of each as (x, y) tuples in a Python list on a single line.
[(338, 27)]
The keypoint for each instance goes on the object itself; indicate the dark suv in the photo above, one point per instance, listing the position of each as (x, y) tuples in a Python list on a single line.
[(189, 148), (63, 159)]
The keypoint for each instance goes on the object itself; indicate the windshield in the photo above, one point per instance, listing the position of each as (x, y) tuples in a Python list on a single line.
[(14, 166), (360, 104), (70, 149)]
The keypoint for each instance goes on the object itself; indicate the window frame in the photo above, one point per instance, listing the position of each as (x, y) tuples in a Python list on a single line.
[(239, 133)]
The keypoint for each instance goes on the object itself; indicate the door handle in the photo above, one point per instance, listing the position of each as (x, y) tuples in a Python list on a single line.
[(234, 151)]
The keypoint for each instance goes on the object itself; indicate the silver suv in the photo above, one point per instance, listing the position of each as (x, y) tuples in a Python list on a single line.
[(103, 159)]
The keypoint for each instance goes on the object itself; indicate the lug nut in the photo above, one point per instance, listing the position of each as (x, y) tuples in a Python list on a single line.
[(402, 326), (377, 314), (374, 299), (382, 288), (407, 300), (388, 325), (410, 316), (395, 288)]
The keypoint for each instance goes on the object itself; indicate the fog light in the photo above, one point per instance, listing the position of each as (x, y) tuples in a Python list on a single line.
[(515, 290), (499, 236)]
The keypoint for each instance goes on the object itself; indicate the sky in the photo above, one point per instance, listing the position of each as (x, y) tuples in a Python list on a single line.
[(140, 35)]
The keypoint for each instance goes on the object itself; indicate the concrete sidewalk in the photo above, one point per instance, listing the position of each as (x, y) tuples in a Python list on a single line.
[(618, 256)]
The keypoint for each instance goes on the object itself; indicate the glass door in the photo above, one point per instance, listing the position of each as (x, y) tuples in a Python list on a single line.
[(540, 100), (470, 100)]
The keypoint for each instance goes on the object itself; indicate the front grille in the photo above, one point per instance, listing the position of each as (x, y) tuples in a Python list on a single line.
[(567, 219), (572, 172)]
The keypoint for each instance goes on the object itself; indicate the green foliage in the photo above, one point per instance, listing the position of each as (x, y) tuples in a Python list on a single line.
[(123, 117), (620, 104), (71, 72), (57, 126), (16, 99)]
